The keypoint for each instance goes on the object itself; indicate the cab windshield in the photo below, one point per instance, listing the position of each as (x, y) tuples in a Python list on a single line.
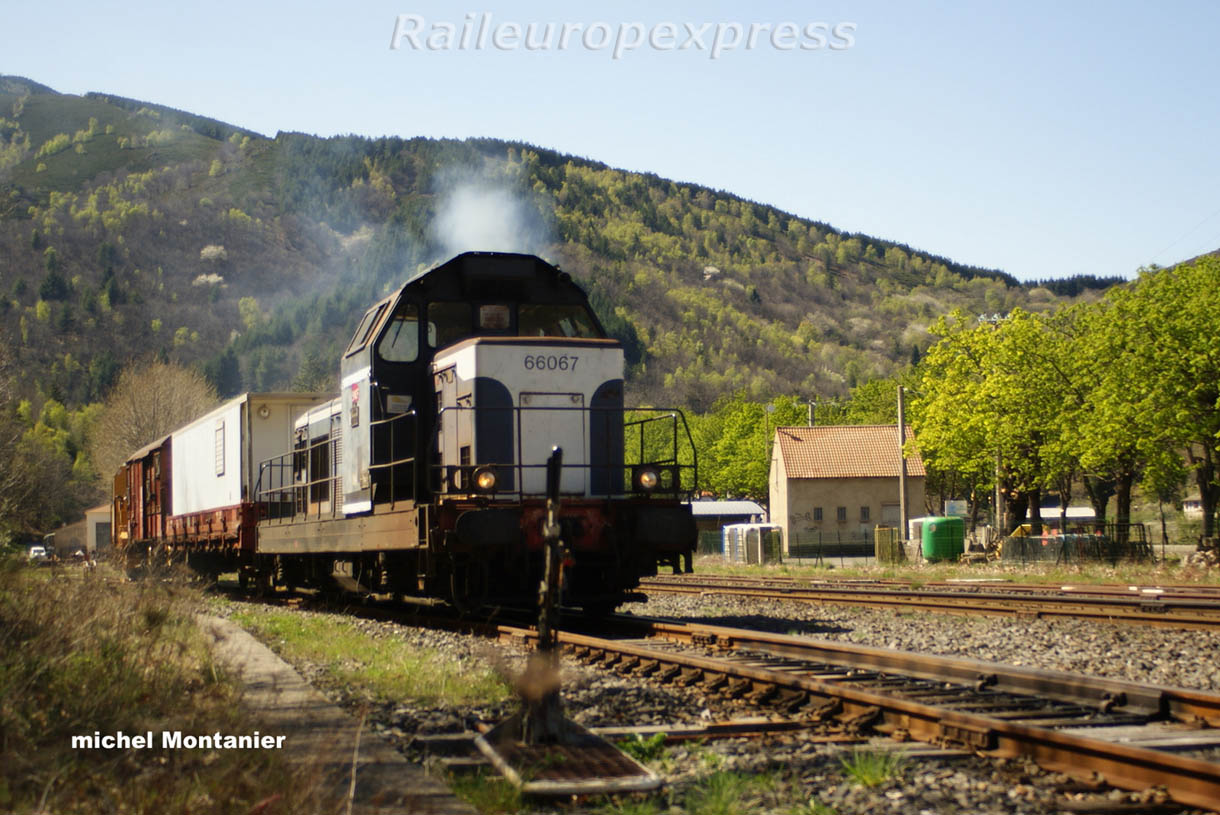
[(572, 320), (449, 321)]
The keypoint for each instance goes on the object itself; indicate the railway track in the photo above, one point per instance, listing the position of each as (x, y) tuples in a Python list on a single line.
[(1181, 607), (1131, 736)]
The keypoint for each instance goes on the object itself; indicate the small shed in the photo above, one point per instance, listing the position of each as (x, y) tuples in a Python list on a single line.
[(712, 516), (86, 535)]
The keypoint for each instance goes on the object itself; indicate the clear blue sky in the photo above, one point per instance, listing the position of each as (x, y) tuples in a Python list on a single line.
[(1042, 138)]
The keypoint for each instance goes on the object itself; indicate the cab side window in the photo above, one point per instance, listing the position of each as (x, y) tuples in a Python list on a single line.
[(365, 328), (400, 341)]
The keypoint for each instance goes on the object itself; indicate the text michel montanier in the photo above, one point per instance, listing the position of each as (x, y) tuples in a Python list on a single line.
[(177, 740)]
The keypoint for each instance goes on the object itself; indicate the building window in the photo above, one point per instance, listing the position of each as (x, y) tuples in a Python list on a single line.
[(863, 515), (817, 513), (841, 514)]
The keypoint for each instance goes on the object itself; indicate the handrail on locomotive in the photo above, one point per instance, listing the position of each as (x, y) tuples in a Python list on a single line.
[(605, 480), (286, 492)]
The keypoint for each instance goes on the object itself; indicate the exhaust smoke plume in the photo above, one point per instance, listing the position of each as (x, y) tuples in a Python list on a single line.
[(478, 217)]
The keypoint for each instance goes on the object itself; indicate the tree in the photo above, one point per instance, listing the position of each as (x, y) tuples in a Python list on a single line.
[(1109, 424), (734, 443), (11, 478), (53, 286), (989, 399), (950, 423), (149, 400), (45, 480), (1173, 356), (316, 373), (223, 373)]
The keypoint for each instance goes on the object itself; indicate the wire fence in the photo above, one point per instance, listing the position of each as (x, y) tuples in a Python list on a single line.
[(1086, 542), (1110, 542), (818, 548), (804, 548)]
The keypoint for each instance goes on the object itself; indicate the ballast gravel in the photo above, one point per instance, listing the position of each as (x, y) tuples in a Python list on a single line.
[(1142, 654), (788, 773)]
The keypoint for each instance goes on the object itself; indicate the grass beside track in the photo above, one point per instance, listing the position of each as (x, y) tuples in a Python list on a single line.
[(83, 652), (380, 668), (1051, 574)]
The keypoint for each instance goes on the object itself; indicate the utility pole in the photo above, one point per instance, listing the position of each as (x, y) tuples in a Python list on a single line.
[(999, 499), (813, 411), (902, 465)]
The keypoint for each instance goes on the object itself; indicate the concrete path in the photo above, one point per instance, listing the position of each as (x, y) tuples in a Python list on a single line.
[(322, 736)]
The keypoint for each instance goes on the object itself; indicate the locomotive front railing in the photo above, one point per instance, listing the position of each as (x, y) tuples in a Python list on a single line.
[(649, 437), (618, 445)]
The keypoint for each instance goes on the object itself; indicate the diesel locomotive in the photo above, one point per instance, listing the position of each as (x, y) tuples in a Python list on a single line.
[(425, 476)]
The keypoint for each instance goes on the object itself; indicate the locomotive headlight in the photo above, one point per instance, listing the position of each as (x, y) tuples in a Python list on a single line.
[(484, 479), (647, 478)]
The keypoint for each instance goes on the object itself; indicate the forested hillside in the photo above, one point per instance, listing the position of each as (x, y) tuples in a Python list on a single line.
[(128, 228)]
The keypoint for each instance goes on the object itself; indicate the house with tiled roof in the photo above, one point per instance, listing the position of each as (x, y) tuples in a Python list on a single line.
[(840, 481)]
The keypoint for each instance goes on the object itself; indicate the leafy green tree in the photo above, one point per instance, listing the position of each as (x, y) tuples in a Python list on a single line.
[(734, 443), (1172, 357), (986, 397), (1105, 423)]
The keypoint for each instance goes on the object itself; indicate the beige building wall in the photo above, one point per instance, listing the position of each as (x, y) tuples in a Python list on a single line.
[(777, 498), (850, 507), (70, 538)]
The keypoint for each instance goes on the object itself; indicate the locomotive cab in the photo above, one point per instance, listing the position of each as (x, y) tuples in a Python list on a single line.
[(386, 387)]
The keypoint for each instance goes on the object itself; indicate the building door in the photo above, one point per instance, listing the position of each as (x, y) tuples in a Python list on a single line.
[(891, 515)]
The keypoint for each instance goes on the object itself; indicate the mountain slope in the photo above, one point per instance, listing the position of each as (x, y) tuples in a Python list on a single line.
[(128, 228)]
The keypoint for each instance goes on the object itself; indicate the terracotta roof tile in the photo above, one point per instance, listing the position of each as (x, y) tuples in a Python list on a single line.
[(844, 451)]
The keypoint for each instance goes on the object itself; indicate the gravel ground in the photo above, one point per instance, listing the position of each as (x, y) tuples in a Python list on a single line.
[(787, 774), (1141, 654)]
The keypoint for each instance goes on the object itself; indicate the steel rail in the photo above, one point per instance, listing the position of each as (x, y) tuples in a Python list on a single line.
[(1155, 610), (859, 700), (1196, 591)]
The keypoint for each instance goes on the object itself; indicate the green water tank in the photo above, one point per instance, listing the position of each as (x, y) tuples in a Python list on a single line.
[(943, 538)]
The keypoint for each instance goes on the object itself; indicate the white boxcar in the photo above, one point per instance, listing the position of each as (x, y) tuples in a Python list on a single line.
[(214, 459)]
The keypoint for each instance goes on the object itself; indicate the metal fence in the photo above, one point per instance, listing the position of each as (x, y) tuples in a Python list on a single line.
[(807, 548), (711, 542), (816, 548), (1110, 542)]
